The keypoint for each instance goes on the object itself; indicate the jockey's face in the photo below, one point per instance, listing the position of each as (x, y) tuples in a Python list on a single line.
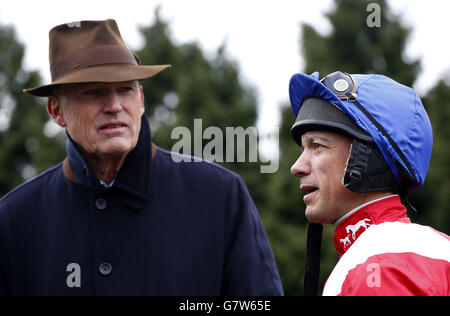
[(321, 168)]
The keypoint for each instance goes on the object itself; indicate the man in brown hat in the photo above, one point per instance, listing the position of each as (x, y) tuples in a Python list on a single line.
[(118, 216)]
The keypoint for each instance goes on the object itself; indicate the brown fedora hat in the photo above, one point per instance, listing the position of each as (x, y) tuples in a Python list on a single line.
[(91, 51)]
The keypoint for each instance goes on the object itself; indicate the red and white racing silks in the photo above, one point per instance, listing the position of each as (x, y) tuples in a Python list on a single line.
[(383, 253)]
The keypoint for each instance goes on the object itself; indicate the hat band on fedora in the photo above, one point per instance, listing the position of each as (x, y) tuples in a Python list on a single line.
[(99, 55)]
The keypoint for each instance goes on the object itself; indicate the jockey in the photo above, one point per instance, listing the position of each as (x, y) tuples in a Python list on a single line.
[(366, 142)]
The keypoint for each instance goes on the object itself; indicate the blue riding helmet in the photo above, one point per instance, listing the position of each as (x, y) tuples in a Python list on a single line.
[(391, 113)]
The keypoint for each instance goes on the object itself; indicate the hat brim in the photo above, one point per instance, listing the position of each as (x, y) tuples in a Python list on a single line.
[(104, 73), (300, 128), (318, 114)]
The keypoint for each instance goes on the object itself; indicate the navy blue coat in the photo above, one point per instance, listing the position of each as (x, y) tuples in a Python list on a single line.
[(163, 228)]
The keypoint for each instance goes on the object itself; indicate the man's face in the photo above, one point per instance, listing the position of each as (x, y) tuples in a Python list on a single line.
[(103, 118), (321, 168)]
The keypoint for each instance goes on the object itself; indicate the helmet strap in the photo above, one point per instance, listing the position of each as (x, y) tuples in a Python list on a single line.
[(312, 264), (367, 171)]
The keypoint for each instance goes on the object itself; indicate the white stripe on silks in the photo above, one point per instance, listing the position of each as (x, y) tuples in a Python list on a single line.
[(392, 237)]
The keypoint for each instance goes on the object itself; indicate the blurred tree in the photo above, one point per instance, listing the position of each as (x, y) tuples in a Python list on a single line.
[(24, 148), (354, 47), (433, 199), (197, 87)]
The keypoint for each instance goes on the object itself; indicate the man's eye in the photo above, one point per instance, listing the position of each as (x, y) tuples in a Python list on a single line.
[(317, 145), (125, 89)]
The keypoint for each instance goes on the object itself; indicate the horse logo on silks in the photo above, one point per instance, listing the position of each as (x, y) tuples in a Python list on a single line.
[(346, 241), (357, 226)]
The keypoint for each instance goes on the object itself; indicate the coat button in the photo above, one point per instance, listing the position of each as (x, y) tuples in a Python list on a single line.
[(100, 204), (105, 269)]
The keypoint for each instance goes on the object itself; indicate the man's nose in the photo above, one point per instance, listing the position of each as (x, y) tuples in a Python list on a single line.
[(112, 103), (301, 167)]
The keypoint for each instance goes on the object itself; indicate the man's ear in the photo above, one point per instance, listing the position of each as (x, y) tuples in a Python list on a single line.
[(55, 111)]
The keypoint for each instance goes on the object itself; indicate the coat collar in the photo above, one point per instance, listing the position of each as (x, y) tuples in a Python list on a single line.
[(80, 169), (357, 221), (134, 174)]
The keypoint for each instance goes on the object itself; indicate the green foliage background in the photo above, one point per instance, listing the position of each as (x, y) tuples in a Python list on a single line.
[(211, 88)]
